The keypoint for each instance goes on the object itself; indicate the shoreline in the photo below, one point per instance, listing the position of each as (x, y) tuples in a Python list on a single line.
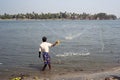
[(75, 75), (51, 19)]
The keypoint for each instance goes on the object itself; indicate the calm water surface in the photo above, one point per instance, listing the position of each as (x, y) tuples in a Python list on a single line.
[(91, 43)]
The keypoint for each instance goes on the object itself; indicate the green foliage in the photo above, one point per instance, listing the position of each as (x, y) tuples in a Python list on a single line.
[(60, 15)]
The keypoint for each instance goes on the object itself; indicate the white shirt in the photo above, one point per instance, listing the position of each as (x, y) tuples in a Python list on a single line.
[(44, 47)]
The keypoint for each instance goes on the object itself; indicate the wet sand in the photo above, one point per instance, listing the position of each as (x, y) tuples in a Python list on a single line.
[(113, 73)]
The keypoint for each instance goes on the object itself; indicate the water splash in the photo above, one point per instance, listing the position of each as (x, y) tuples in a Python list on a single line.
[(76, 35), (70, 37), (67, 54)]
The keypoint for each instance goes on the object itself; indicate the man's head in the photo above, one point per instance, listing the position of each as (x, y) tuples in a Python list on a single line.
[(44, 39)]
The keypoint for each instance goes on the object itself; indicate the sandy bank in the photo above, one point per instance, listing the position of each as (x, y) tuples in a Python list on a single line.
[(113, 74)]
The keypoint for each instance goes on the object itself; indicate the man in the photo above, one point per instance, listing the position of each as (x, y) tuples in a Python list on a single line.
[(44, 49)]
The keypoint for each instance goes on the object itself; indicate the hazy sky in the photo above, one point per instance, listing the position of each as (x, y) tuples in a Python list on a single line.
[(53, 6)]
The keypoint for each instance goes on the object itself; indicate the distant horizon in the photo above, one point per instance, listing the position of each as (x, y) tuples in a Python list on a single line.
[(54, 12), (59, 12), (56, 6), (60, 15)]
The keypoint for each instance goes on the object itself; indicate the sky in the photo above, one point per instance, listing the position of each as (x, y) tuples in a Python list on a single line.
[(56, 6)]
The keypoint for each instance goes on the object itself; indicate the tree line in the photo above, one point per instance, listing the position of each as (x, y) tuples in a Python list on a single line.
[(60, 15)]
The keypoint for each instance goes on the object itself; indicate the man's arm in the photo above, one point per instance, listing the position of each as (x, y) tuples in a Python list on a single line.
[(56, 43), (39, 54)]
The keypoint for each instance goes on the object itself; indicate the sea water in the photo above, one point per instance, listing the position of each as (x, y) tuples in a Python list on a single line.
[(83, 42)]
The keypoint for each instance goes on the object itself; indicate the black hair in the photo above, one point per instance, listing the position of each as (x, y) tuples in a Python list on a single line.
[(44, 39)]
